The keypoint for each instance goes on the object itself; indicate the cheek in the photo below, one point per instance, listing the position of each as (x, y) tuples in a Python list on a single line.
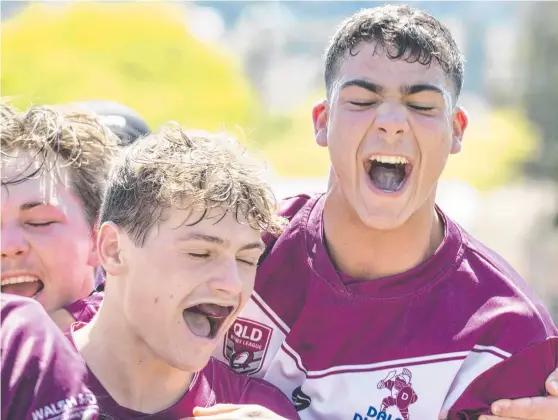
[(60, 246), (248, 281), (433, 137), (345, 137)]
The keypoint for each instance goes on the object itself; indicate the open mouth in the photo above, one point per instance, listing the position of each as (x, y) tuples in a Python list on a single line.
[(206, 319), (388, 173), (27, 286)]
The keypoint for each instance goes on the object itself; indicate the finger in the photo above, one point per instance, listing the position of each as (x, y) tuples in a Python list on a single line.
[(535, 408), (216, 409), (552, 383), (495, 418), (233, 415)]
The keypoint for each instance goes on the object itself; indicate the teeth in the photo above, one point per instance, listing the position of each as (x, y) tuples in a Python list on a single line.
[(19, 279), (390, 159)]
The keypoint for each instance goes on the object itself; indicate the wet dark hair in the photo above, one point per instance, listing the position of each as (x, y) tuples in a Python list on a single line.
[(403, 33)]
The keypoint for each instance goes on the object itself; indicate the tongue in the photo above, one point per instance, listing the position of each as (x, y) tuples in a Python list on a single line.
[(198, 323), (214, 311), (387, 179), (27, 289)]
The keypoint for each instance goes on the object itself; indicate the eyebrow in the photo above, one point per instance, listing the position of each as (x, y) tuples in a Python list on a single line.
[(220, 241), (31, 205), (421, 87), (365, 84), (405, 90)]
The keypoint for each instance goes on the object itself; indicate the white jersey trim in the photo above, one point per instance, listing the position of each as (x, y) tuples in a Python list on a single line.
[(494, 350), (423, 360), (270, 313)]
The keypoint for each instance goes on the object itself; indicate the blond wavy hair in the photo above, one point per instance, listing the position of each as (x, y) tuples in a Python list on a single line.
[(192, 170), (60, 138)]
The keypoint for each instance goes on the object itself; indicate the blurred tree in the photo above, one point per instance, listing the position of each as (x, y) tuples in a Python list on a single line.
[(137, 53), (541, 92)]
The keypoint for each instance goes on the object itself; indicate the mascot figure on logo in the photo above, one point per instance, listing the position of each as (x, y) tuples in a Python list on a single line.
[(402, 393)]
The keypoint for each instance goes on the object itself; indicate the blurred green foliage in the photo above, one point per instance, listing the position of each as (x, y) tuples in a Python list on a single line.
[(141, 54), (137, 53)]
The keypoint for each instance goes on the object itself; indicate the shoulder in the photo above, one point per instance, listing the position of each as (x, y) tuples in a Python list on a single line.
[(25, 323), (290, 208), (501, 381), (508, 298), (242, 389), (24, 317), (39, 365)]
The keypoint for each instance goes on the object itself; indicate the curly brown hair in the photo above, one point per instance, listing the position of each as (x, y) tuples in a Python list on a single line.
[(57, 138), (192, 170), (404, 33)]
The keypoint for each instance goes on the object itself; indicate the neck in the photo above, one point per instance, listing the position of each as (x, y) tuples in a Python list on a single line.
[(88, 284), (365, 253), (125, 365)]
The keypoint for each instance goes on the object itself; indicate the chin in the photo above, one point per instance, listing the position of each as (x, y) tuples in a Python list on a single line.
[(382, 219)]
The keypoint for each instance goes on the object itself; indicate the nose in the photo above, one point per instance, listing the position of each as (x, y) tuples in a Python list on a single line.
[(391, 121), (228, 280), (13, 242)]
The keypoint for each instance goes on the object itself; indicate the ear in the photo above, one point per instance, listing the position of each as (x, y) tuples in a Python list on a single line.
[(460, 122), (93, 259), (109, 243), (319, 118)]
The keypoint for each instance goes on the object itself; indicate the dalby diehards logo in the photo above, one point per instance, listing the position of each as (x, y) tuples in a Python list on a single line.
[(402, 396), (246, 345)]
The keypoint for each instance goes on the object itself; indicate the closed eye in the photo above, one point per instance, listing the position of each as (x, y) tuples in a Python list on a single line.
[(362, 104), (44, 224), (199, 256), (247, 262), (422, 108)]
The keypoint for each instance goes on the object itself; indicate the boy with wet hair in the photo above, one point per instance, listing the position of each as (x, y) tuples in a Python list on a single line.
[(179, 243), (54, 166), (372, 292)]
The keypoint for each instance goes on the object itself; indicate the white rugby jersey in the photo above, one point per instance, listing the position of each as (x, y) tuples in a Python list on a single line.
[(443, 340)]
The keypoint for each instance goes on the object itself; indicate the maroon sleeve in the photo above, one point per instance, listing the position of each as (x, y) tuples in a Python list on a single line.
[(288, 208), (42, 375), (262, 393), (522, 375), (83, 310)]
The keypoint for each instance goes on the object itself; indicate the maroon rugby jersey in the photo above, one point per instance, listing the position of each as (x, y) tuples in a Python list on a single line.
[(43, 378), (83, 310), (215, 384), (442, 340)]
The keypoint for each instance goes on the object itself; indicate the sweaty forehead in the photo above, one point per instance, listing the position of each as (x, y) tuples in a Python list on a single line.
[(28, 177), (17, 164), (372, 63), (233, 228)]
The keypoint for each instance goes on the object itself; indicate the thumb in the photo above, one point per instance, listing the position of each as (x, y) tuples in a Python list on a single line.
[(552, 383)]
